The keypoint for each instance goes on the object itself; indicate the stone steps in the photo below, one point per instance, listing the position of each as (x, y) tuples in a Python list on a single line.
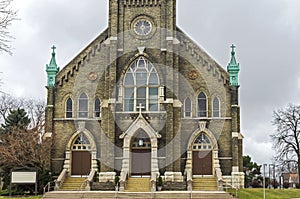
[(133, 195), (72, 184), (138, 185), (205, 184)]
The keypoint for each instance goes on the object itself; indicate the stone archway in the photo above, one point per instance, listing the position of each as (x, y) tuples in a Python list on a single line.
[(81, 148), (139, 124), (213, 150), (202, 155)]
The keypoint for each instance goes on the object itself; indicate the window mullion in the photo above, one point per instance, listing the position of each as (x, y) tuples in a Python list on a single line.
[(147, 98), (135, 99)]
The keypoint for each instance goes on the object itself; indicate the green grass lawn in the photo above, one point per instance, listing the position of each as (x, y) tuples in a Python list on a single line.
[(270, 193)]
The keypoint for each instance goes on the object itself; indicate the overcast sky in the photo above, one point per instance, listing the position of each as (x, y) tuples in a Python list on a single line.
[(266, 33)]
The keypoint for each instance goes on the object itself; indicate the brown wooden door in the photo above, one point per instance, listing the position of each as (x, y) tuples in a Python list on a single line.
[(141, 162), (202, 162), (81, 162)]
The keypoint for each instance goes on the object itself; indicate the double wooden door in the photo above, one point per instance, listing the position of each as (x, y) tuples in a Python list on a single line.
[(202, 162), (81, 162), (141, 162)]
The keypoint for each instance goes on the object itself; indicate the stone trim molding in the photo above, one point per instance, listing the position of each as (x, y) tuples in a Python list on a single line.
[(138, 3), (225, 158), (237, 135)]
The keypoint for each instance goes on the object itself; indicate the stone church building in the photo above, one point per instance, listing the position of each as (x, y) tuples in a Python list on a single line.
[(143, 100)]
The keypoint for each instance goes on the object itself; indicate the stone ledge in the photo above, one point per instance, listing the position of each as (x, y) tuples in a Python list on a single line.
[(174, 186), (103, 186), (105, 177)]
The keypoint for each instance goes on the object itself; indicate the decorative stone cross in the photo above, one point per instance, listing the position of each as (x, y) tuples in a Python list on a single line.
[(140, 107)]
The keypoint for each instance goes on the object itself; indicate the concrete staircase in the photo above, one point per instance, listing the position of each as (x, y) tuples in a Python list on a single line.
[(73, 184), (205, 184), (140, 195), (138, 185)]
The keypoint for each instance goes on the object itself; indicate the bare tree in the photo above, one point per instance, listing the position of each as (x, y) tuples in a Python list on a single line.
[(7, 15), (21, 144), (287, 136), (1, 82), (23, 148), (7, 102), (34, 108)]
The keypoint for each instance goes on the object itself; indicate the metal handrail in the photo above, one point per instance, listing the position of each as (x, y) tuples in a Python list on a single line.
[(47, 186), (80, 195), (230, 185), (60, 179)]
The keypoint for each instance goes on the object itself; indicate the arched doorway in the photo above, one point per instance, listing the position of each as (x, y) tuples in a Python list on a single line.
[(81, 155), (129, 136), (141, 154), (202, 155)]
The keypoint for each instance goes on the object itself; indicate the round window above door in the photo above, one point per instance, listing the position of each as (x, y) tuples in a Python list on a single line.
[(143, 27)]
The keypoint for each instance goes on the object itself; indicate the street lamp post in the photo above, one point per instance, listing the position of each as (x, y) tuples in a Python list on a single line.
[(269, 176), (272, 169), (264, 180)]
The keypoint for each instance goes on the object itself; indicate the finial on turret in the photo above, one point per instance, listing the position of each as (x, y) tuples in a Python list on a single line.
[(233, 68), (52, 69), (232, 47), (53, 48)]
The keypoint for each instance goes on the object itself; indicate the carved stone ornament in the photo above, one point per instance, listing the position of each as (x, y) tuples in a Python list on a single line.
[(202, 125), (92, 76), (193, 74), (81, 126)]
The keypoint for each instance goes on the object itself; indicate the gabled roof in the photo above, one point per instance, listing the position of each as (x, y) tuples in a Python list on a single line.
[(197, 53), (79, 59)]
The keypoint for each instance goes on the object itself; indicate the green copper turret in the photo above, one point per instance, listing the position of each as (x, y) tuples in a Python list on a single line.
[(233, 69), (52, 69)]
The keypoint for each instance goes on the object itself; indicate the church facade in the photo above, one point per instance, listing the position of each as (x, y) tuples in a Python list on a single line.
[(144, 100)]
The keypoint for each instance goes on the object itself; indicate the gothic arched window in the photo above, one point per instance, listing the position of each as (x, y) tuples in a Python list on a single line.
[(141, 85), (202, 142), (202, 105), (69, 108), (216, 107), (81, 143), (187, 107), (97, 108), (83, 106)]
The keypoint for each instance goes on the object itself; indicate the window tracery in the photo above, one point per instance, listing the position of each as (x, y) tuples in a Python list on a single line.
[(141, 84)]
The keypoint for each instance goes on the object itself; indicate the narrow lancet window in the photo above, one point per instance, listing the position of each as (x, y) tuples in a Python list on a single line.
[(97, 108), (216, 107), (69, 108), (187, 107), (202, 105), (83, 106)]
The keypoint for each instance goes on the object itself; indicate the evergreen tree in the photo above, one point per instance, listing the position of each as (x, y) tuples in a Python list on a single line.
[(251, 170), (21, 147), (16, 120)]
